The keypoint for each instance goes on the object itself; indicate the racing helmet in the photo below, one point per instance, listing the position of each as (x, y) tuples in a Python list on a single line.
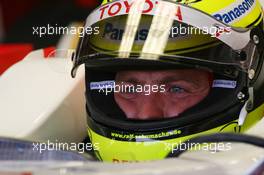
[(223, 37)]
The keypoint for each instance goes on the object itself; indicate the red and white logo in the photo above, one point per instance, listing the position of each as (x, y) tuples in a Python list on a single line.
[(123, 7)]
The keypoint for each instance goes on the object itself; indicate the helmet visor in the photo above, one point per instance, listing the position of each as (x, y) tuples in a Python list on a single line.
[(162, 30)]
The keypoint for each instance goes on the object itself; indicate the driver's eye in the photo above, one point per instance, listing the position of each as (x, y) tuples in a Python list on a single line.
[(130, 89), (176, 89)]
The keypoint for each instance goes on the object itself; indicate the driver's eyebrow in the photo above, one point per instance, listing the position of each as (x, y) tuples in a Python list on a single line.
[(169, 79), (129, 80)]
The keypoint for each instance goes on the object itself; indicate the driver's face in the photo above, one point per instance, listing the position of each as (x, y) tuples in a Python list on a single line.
[(180, 90)]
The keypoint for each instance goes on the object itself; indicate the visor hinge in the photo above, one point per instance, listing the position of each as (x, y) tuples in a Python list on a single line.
[(255, 39), (251, 74), (248, 106)]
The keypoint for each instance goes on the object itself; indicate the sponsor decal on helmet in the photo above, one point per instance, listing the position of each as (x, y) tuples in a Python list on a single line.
[(142, 137), (123, 7), (180, 1), (229, 84), (239, 10), (115, 33), (101, 85), (115, 160)]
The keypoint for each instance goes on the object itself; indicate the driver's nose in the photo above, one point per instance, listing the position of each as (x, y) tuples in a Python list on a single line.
[(150, 107)]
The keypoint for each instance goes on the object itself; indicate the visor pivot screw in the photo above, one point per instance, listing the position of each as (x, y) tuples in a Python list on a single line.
[(241, 96), (251, 74), (228, 71), (256, 39), (242, 56), (249, 105)]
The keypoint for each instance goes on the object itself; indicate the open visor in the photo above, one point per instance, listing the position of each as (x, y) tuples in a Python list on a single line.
[(159, 31)]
